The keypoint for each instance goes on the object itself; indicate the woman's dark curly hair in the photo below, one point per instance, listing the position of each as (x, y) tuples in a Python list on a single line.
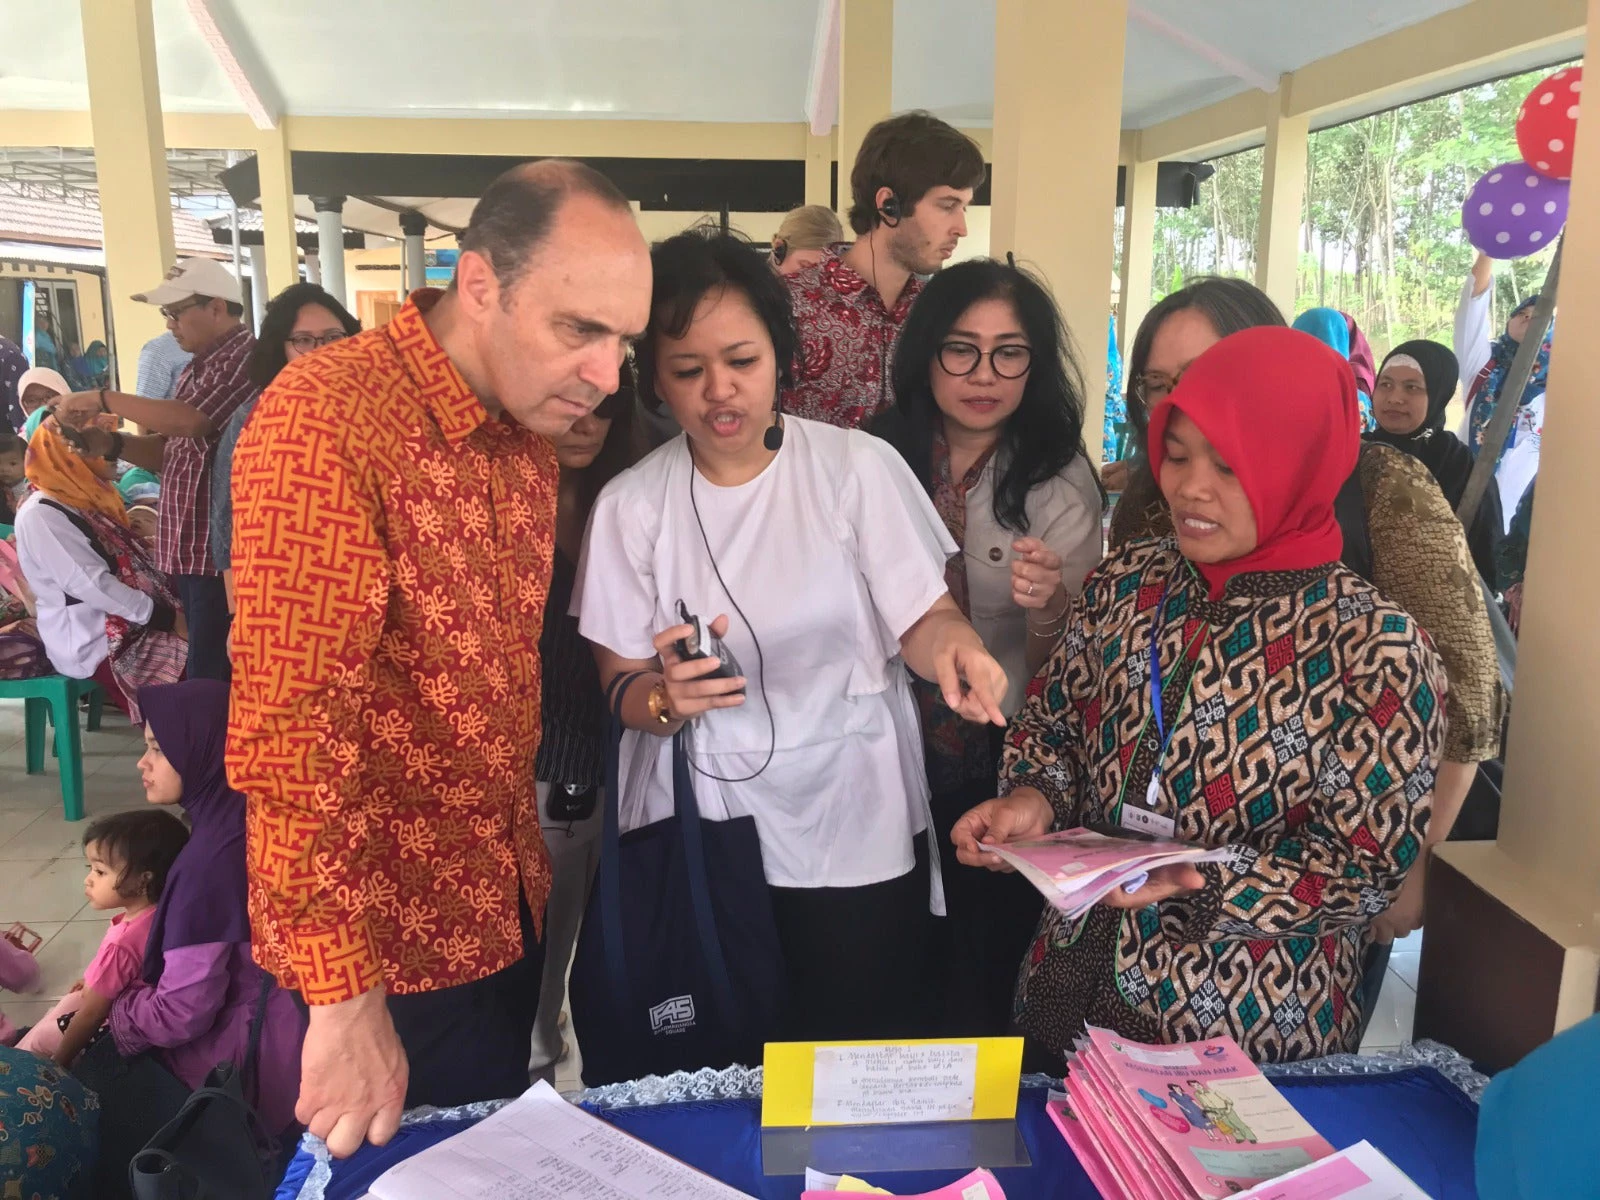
[(277, 323), (700, 260), (1043, 435)]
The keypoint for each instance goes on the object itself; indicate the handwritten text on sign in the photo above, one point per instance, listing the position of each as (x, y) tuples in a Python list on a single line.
[(890, 1085)]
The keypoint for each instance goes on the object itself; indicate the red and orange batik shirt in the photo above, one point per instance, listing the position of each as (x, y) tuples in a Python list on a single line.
[(845, 340), (392, 553)]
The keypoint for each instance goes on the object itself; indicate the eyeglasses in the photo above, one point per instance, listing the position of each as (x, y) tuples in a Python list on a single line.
[(1010, 361), (1153, 389), (307, 342), (171, 312)]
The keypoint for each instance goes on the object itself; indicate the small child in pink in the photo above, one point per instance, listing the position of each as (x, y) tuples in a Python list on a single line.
[(129, 856)]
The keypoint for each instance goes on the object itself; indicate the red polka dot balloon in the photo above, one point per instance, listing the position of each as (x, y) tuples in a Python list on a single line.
[(1548, 123)]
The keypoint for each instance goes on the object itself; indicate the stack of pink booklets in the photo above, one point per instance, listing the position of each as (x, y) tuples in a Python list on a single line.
[(1075, 868), (1190, 1122)]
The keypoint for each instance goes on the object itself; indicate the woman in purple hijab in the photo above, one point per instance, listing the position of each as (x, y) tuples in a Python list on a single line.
[(200, 989)]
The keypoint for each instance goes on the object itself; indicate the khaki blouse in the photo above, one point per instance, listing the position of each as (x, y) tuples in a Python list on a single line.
[(1420, 560)]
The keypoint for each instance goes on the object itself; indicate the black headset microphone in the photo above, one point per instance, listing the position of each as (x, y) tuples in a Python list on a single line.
[(773, 438)]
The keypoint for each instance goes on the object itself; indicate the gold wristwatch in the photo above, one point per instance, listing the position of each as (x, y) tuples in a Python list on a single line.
[(658, 704)]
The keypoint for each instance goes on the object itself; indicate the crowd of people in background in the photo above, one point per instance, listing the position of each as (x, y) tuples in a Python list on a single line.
[(377, 596)]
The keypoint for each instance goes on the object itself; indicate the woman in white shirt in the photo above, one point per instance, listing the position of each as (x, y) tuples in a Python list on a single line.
[(988, 415), (1485, 360), (825, 551), (101, 601)]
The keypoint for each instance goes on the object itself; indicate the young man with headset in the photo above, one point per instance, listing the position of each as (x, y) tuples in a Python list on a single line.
[(909, 191)]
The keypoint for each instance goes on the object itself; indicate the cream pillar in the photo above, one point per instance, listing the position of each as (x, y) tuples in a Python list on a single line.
[(330, 243), (130, 159), (1517, 921), (866, 72), (415, 226), (277, 210), (1138, 245), (258, 284), (819, 169), (1057, 134), (1283, 197)]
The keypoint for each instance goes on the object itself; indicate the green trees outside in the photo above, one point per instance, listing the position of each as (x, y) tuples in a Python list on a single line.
[(1381, 235)]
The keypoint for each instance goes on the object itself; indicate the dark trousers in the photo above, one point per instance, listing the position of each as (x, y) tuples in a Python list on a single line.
[(856, 958), (980, 944), (205, 608), (473, 1041), (1374, 966)]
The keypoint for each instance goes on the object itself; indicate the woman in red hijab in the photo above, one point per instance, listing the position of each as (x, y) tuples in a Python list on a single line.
[(1232, 685)]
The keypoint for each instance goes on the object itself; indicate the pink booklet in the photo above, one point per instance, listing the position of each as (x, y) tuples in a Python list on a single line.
[(978, 1185), (1076, 867), (1203, 1107)]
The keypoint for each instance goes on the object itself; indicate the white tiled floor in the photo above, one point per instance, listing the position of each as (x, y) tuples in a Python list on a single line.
[(41, 853), (41, 857), (41, 876)]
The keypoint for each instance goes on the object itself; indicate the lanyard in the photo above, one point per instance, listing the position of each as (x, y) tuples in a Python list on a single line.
[(1163, 737)]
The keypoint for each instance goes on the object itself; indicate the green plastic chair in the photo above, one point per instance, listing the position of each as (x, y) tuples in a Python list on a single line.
[(55, 698)]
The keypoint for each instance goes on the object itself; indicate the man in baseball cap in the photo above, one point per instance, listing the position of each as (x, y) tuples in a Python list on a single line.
[(194, 277), (202, 303)]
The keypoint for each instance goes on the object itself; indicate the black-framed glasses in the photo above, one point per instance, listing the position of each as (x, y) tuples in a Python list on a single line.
[(171, 312), (307, 342), (1010, 361)]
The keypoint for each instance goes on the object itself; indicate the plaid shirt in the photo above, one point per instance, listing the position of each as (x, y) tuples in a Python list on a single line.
[(846, 340), (216, 382)]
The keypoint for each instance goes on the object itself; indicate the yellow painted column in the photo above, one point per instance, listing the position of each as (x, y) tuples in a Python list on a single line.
[(1057, 135), (277, 209), (1283, 197), (866, 75), (130, 159), (1138, 244), (819, 168), (1541, 875)]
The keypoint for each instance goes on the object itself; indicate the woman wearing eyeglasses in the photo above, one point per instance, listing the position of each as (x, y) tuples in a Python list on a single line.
[(301, 319), (988, 414)]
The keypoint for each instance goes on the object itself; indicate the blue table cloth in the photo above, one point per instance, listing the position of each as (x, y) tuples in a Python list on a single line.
[(1423, 1121)]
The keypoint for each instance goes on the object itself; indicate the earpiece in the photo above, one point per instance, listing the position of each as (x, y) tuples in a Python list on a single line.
[(889, 210), (773, 438)]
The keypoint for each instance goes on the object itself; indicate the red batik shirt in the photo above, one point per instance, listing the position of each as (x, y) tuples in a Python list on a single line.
[(391, 552), (846, 339), (216, 382)]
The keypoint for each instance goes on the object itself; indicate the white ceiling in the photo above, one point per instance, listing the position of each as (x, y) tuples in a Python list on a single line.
[(694, 60)]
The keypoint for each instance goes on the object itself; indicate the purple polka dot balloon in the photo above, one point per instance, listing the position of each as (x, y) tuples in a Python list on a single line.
[(1514, 211)]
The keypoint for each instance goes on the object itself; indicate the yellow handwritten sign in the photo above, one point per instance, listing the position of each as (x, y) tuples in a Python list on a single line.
[(888, 1083)]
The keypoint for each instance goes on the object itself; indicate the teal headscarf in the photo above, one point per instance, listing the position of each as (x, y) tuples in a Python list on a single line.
[(1328, 326)]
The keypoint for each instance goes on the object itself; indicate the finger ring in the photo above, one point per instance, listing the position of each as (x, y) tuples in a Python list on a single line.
[(1030, 588)]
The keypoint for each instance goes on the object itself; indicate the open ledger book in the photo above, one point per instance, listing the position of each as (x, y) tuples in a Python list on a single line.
[(1190, 1122), (539, 1147), (1077, 867)]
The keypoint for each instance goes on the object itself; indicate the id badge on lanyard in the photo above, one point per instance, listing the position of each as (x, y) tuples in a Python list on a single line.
[(1146, 819)]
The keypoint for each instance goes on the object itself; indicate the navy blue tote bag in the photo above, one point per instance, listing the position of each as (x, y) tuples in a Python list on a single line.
[(678, 965)]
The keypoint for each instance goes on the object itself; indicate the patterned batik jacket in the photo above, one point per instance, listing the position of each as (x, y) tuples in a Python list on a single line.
[(1306, 724)]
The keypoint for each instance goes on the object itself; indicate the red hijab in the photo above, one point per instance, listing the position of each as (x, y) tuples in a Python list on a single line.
[(1281, 409)]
